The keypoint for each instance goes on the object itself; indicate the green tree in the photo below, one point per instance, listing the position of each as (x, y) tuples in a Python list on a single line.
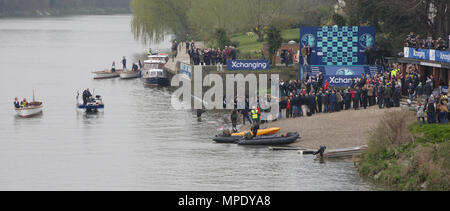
[(153, 20), (394, 19), (274, 40)]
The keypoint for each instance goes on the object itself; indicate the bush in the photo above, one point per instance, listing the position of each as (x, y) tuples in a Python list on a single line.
[(407, 156)]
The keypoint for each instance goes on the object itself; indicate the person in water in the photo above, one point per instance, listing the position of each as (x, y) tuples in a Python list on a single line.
[(16, 103)]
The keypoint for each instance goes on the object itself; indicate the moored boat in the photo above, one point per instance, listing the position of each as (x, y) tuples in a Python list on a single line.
[(266, 131), (130, 74), (289, 138), (156, 77), (160, 57), (104, 74), (233, 139)]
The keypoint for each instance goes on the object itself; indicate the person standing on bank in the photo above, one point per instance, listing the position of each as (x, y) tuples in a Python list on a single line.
[(234, 117)]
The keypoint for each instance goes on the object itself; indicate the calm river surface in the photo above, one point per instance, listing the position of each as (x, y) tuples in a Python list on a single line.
[(140, 142)]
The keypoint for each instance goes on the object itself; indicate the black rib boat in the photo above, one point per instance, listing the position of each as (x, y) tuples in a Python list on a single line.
[(234, 139), (277, 140)]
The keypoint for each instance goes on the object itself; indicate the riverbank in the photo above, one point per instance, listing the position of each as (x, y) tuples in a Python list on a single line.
[(335, 130), (403, 155)]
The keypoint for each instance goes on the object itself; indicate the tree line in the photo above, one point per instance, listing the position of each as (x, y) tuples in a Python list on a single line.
[(203, 19), (20, 6)]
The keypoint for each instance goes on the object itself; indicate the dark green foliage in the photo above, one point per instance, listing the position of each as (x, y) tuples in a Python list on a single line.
[(222, 38), (338, 20), (394, 19), (274, 40)]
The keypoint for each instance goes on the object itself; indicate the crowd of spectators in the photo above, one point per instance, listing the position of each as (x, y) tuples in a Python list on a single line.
[(210, 56), (415, 41)]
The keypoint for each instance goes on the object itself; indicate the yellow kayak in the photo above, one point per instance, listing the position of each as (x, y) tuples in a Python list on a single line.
[(261, 132)]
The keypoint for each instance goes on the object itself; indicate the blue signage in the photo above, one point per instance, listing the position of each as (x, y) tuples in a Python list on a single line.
[(186, 69), (340, 80), (342, 70), (427, 54), (248, 65), (442, 56), (418, 53), (345, 70), (333, 45)]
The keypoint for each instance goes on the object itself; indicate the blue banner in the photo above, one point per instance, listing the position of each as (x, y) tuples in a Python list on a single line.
[(427, 54), (345, 70), (418, 53), (342, 70), (333, 45), (248, 65), (442, 56)]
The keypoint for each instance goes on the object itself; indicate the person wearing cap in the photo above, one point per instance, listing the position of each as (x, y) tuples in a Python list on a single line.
[(16, 103)]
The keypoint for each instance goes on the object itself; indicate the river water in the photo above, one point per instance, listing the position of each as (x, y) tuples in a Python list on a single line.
[(140, 142)]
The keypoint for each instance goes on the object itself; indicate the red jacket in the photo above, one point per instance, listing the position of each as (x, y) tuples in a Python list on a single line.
[(353, 93), (326, 85)]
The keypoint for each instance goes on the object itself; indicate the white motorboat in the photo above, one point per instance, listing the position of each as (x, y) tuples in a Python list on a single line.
[(160, 57)]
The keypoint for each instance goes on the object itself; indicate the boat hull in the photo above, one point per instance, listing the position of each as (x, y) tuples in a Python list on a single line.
[(152, 82), (90, 108), (106, 74), (29, 112), (130, 74), (270, 141)]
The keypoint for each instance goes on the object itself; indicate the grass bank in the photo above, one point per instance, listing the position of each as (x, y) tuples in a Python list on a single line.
[(249, 45), (404, 155)]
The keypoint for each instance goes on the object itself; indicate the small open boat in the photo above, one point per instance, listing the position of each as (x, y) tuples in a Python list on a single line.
[(31, 109), (343, 153), (267, 131), (270, 140), (103, 74), (130, 74)]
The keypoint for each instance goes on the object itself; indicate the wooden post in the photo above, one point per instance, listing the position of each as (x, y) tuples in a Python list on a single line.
[(436, 76), (403, 67), (421, 70)]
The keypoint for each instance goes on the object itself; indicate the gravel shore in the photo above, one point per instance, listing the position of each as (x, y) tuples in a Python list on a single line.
[(335, 130)]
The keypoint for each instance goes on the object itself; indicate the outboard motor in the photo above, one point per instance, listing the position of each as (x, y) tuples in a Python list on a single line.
[(321, 150)]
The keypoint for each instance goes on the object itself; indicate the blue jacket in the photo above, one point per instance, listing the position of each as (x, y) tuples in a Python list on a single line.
[(333, 98)]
